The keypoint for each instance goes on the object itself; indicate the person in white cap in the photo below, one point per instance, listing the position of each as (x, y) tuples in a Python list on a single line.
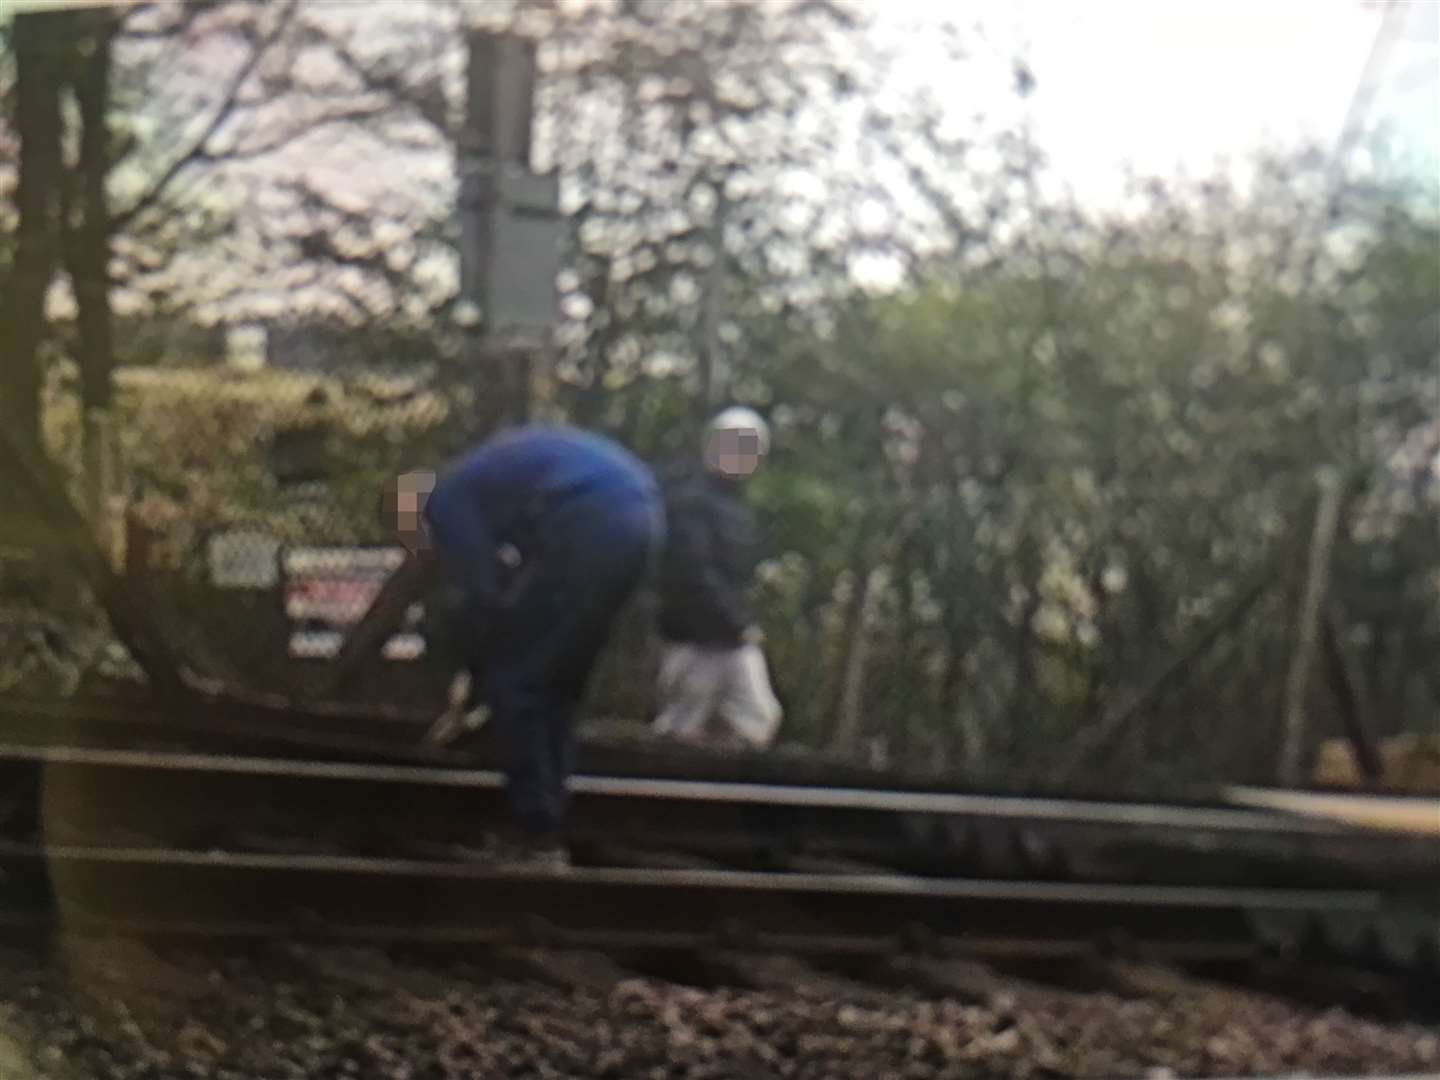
[(711, 665)]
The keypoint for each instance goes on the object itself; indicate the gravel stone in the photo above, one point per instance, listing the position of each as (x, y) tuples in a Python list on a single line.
[(286, 1011)]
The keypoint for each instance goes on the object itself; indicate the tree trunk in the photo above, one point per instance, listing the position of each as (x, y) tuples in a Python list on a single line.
[(39, 41), (843, 726), (1348, 682), (903, 725), (41, 486), (87, 253), (1021, 692), (1307, 630), (854, 660), (1097, 667), (969, 726)]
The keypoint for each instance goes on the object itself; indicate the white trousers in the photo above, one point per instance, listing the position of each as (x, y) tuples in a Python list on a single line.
[(698, 681)]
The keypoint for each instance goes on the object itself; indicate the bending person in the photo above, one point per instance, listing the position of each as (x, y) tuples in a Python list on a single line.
[(546, 532)]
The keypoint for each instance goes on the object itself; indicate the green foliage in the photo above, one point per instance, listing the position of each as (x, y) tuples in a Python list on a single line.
[(197, 445), (1070, 471)]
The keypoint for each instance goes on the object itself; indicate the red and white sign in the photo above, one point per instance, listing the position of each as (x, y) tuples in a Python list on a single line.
[(328, 590)]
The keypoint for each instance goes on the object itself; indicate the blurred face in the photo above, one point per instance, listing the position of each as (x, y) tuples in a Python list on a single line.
[(410, 493), (733, 453)]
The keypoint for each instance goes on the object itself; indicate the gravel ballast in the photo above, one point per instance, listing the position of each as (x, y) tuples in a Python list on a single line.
[(114, 1009)]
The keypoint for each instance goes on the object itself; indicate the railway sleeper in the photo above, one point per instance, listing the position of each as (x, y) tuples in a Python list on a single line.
[(1403, 936)]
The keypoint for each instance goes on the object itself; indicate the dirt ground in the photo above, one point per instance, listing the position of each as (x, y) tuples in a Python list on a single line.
[(111, 1009)]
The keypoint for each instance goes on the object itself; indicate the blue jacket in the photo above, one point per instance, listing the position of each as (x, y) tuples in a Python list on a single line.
[(501, 493)]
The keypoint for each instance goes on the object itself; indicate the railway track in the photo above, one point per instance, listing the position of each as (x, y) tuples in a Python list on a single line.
[(259, 725), (188, 799), (176, 891), (184, 843)]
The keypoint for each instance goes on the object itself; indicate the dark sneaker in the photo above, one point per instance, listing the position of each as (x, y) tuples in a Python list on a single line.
[(529, 854), (545, 853), (550, 859)]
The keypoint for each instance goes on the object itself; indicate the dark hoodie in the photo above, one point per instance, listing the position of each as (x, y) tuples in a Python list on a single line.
[(710, 557)]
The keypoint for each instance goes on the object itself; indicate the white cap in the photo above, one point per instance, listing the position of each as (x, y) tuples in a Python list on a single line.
[(739, 418)]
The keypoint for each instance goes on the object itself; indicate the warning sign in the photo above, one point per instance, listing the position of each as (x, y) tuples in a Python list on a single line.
[(329, 589)]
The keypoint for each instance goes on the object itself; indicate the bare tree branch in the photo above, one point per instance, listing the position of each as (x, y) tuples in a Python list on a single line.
[(280, 141), (427, 101), (197, 151)]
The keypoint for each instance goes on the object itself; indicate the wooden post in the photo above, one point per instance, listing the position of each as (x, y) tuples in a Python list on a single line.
[(368, 636), (850, 708), (1308, 629), (1348, 680)]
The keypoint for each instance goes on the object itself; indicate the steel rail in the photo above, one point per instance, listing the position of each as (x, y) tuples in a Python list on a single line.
[(663, 791), (1051, 947), (789, 884), (340, 895)]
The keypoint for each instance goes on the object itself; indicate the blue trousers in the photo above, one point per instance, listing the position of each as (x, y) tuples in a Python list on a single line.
[(589, 557)]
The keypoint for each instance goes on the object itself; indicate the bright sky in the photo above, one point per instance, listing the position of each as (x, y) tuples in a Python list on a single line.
[(1161, 85)]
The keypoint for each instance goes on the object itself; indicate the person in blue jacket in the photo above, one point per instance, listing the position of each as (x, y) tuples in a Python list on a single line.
[(547, 532)]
